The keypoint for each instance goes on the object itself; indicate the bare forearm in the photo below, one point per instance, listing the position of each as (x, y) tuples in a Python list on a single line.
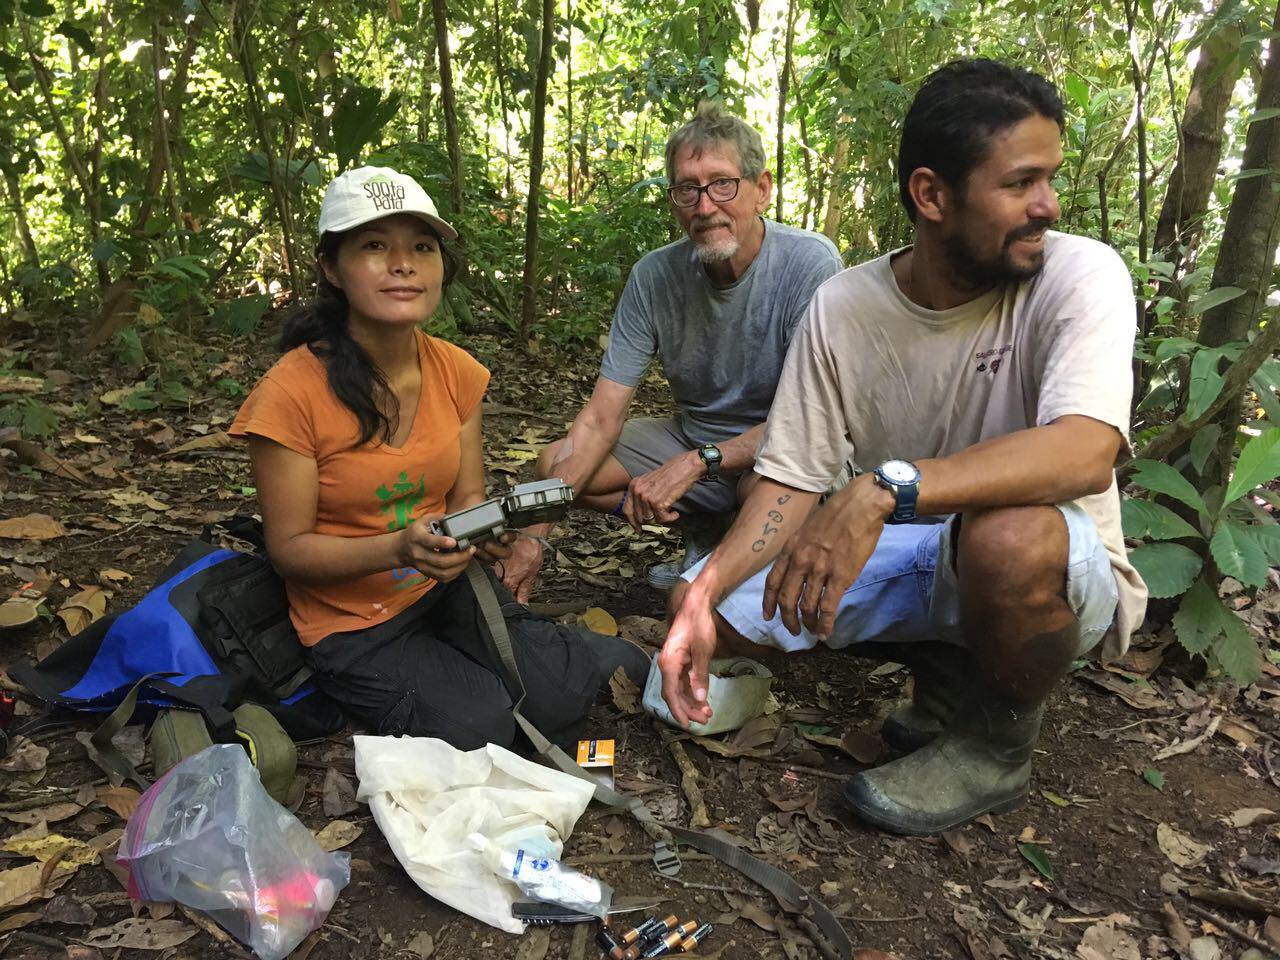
[(321, 558), (1043, 465), (771, 514), (739, 453)]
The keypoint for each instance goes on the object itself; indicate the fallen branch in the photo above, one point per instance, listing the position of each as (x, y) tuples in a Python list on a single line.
[(578, 948), (1234, 929), (698, 817), (43, 799), (213, 930), (811, 771), (1186, 746), (1235, 899), (815, 935)]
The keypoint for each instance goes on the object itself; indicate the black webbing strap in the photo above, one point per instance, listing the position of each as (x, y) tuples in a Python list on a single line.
[(789, 893)]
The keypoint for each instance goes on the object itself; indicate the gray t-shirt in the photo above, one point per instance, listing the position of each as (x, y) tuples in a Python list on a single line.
[(721, 348)]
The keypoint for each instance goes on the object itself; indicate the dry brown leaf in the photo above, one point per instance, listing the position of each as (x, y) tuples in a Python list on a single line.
[(626, 695), (50, 814), (68, 910), (758, 915), (217, 440), (959, 844), (646, 630), (17, 921), (1180, 848), (1249, 816), (34, 455), (21, 885), (135, 933), (756, 733), (45, 849), (121, 801), (19, 383), (599, 620), (862, 746), (338, 834), (1103, 941), (1140, 696), (84, 608), (338, 796), (1271, 930), (33, 526), (1178, 931), (113, 576), (25, 756)]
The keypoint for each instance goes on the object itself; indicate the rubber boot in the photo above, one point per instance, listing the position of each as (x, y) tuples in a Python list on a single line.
[(980, 764), (615, 652), (943, 675), (701, 533)]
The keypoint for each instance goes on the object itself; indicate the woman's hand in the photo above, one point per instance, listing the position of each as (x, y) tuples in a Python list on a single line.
[(435, 555), (491, 551)]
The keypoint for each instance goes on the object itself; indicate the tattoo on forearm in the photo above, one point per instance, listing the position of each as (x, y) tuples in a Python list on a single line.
[(774, 517)]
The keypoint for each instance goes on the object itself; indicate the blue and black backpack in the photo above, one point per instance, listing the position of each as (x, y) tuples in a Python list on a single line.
[(212, 635)]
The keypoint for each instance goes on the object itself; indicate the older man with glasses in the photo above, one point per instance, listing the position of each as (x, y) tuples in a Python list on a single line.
[(718, 308)]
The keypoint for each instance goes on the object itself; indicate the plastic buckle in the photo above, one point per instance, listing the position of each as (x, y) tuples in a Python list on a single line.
[(665, 860)]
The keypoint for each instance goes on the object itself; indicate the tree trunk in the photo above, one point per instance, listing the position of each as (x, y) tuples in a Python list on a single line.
[(1246, 256), (243, 50), (424, 79), (527, 288), (162, 132), (784, 86), (450, 106), (1247, 253), (499, 44), (30, 255), (568, 102), (1186, 199), (835, 209)]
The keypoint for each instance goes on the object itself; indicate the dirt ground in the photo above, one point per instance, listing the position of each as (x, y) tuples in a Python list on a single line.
[(1176, 856)]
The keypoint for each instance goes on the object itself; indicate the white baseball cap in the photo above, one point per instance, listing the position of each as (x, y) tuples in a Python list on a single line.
[(369, 193)]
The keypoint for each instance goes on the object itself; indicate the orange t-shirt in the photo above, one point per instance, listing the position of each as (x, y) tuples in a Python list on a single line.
[(371, 489)]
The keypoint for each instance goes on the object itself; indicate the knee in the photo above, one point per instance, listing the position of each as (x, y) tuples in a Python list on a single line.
[(1012, 556), (486, 722), (550, 454)]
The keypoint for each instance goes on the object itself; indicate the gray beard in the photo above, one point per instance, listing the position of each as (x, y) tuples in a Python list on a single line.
[(716, 254)]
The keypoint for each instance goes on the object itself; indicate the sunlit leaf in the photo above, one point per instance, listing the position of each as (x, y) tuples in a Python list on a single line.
[(1238, 554), (1259, 463)]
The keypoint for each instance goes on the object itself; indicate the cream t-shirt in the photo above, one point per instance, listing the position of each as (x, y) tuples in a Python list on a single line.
[(872, 376)]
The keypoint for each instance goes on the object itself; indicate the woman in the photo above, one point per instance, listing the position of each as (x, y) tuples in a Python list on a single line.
[(365, 431)]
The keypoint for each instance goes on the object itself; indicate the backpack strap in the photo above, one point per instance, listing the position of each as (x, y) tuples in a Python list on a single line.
[(779, 883), (103, 752)]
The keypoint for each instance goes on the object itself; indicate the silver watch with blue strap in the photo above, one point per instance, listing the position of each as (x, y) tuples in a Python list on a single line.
[(902, 479)]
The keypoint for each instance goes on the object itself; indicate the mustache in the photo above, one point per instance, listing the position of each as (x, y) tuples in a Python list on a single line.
[(1028, 229), (711, 221)]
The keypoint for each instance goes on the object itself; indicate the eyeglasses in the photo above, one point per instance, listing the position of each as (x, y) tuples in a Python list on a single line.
[(690, 194)]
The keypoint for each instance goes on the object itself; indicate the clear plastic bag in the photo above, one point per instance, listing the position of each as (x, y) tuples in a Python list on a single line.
[(208, 835), (532, 863)]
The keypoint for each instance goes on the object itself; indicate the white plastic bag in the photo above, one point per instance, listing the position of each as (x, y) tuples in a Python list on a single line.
[(208, 835), (428, 797), (737, 691)]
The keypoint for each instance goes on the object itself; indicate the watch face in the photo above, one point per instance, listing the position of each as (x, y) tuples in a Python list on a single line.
[(899, 471), (711, 453)]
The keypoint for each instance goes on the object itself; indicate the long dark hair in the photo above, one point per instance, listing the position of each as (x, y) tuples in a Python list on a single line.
[(321, 324)]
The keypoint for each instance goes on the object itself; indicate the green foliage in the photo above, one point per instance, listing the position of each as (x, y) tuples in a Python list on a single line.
[(1034, 854), (30, 416), (241, 316), (1243, 543), (1153, 777)]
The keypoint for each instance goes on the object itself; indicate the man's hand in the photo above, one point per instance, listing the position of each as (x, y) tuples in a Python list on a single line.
[(817, 565), (520, 572), (435, 555), (650, 496), (491, 551), (685, 659)]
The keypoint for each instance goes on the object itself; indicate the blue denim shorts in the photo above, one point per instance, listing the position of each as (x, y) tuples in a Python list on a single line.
[(908, 591)]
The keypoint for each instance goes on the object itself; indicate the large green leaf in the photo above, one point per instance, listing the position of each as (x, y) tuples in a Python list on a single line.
[(1206, 381), (1162, 478), (1259, 463), (1196, 622), (1238, 554), (1167, 568), (1144, 519), (1267, 400), (1202, 445), (358, 118), (1215, 297), (1237, 650), (1267, 537)]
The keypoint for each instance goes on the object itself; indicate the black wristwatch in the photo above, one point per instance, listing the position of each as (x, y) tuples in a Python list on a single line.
[(711, 456), (902, 479)]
